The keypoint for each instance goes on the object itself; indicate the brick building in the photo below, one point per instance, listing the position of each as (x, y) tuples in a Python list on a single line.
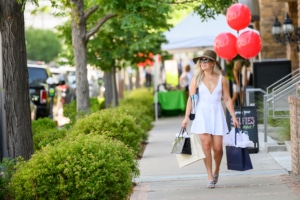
[(269, 9)]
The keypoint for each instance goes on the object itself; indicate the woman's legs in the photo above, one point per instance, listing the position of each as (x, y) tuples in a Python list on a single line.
[(215, 143), (236, 94), (206, 141)]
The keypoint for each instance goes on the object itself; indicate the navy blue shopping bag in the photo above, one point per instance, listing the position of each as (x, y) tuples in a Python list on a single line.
[(238, 158)]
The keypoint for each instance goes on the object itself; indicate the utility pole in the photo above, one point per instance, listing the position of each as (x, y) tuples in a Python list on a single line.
[(3, 144)]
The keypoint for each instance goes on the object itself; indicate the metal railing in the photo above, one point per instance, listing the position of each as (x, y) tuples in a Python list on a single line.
[(278, 93), (276, 97)]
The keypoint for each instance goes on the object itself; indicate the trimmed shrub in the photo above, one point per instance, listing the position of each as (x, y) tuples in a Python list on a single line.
[(43, 124), (143, 98), (43, 138), (7, 169), (70, 110), (88, 167), (45, 132), (140, 118), (139, 103), (113, 123)]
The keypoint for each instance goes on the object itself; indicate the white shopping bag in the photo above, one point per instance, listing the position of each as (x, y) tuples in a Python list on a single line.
[(237, 138), (243, 140), (229, 138), (197, 153)]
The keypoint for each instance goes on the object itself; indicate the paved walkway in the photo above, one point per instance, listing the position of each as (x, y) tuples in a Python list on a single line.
[(162, 179)]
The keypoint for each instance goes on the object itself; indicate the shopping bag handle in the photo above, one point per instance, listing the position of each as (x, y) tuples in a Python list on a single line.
[(183, 129), (236, 131)]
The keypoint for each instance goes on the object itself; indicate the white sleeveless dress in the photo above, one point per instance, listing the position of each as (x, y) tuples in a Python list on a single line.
[(210, 116)]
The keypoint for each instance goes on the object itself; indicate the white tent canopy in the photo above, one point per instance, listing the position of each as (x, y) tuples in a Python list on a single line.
[(192, 34)]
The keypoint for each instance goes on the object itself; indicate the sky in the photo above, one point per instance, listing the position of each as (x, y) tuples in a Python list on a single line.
[(41, 20)]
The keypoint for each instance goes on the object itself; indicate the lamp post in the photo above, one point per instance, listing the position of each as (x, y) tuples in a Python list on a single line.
[(286, 33)]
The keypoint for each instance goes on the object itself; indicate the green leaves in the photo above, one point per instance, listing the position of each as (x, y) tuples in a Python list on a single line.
[(42, 45), (209, 9), (85, 167)]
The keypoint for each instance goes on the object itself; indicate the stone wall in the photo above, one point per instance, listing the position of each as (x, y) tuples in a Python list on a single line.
[(269, 9), (295, 133)]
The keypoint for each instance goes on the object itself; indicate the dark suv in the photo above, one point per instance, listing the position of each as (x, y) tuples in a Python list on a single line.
[(38, 88)]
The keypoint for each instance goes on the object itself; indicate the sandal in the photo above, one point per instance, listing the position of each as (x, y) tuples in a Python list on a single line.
[(216, 177), (210, 184)]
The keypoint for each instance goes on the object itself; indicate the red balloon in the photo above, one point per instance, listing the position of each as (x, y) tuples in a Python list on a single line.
[(225, 45), (248, 44), (238, 16)]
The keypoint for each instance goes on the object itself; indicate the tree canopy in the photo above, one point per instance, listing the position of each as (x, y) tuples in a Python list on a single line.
[(106, 33), (42, 45)]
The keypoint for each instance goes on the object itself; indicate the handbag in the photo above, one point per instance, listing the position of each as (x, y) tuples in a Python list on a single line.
[(197, 153), (238, 158), (182, 143)]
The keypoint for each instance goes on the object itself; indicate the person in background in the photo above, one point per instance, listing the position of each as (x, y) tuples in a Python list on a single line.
[(148, 77), (179, 67), (186, 78), (210, 122), (247, 74), (236, 87)]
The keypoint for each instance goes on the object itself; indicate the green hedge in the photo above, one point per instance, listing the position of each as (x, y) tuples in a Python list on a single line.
[(94, 157), (45, 132), (85, 167), (113, 123), (71, 113)]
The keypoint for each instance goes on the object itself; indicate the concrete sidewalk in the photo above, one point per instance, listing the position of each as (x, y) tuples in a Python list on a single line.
[(162, 179)]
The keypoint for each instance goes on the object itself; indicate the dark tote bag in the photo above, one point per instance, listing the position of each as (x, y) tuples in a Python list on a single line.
[(182, 144), (238, 158)]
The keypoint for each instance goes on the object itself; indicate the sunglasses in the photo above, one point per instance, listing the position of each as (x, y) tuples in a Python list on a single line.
[(205, 60)]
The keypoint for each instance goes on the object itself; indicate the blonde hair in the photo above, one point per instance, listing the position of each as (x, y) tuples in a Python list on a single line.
[(199, 74)]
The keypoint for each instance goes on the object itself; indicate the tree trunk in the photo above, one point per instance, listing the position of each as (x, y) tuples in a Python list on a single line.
[(138, 78), (115, 88), (18, 134), (111, 94), (79, 45), (108, 84)]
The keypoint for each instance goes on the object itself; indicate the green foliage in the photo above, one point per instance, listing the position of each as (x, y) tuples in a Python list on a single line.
[(284, 131), (96, 159), (139, 104), (96, 104), (43, 124), (70, 112), (88, 167), (45, 132), (47, 136), (42, 45), (7, 170), (209, 9), (131, 31), (112, 123)]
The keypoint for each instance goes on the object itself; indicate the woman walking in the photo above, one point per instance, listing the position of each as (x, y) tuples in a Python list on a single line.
[(210, 122)]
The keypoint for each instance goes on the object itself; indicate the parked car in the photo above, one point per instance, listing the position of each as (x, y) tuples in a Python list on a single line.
[(38, 88)]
